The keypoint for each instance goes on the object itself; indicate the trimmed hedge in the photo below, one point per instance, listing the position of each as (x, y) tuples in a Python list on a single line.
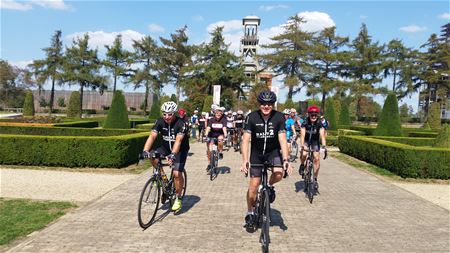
[(62, 131), (84, 124), (349, 132), (407, 140), (423, 134), (401, 159), (70, 151), (367, 130), (117, 114), (332, 140)]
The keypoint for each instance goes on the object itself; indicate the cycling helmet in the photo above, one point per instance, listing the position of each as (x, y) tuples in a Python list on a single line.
[(214, 107), (169, 107), (195, 111), (204, 113), (226, 113), (234, 114), (240, 112), (293, 110), (267, 97), (313, 109), (218, 108), (181, 112), (287, 111)]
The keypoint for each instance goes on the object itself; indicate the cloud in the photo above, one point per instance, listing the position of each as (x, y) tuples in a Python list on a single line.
[(13, 5), (316, 21), (99, 39), (272, 7), (413, 28), (198, 18), (21, 64), (228, 26), (23, 6), (444, 15), (155, 28)]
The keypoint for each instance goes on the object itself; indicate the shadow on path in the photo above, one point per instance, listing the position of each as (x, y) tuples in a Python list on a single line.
[(223, 170), (276, 219), (300, 186), (189, 201)]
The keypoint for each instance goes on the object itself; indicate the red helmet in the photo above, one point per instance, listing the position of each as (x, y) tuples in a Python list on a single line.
[(181, 112), (313, 109)]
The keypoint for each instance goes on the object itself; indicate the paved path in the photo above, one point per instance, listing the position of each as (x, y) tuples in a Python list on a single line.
[(354, 212)]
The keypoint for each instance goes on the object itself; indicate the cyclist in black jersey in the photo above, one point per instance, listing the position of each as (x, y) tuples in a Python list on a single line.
[(238, 125), (217, 128), (312, 131), (174, 146), (265, 128)]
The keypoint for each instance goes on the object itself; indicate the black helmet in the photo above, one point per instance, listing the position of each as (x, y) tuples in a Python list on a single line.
[(267, 97)]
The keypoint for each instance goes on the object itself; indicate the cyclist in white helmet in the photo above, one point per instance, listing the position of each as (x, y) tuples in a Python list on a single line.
[(174, 146)]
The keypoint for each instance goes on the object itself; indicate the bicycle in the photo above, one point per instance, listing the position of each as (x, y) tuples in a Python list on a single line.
[(310, 183), (294, 149), (151, 193), (238, 136), (229, 140), (262, 205), (214, 160), (201, 135)]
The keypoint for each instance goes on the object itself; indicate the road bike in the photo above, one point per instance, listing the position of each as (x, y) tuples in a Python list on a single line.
[(214, 161), (310, 183), (294, 149), (158, 189)]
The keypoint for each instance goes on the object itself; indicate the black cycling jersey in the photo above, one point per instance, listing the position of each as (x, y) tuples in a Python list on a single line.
[(239, 121), (201, 122), (169, 133), (312, 130), (264, 134), (230, 121), (216, 126)]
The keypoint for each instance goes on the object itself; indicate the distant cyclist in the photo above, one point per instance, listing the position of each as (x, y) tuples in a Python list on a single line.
[(217, 128), (174, 147), (265, 130), (290, 128), (312, 133)]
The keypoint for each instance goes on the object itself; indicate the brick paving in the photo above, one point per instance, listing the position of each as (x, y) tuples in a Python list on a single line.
[(354, 212)]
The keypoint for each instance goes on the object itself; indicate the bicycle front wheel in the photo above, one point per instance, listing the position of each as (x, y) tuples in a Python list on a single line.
[(294, 151), (311, 187), (265, 238), (149, 202), (212, 172)]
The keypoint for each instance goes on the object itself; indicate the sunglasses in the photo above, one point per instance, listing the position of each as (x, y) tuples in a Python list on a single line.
[(167, 114), (314, 115), (266, 104)]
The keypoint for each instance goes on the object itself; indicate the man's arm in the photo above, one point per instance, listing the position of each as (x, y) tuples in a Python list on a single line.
[(245, 144), (177, 145), (150, 140), (322, 136), (302, 136), (284, 146)]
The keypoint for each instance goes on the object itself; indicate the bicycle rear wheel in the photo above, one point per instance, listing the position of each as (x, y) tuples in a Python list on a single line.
[(294, 151), (265, 238), (149, 202), (213, 167)]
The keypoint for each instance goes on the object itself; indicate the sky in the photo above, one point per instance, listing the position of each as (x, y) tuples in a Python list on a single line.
[(27, 26)]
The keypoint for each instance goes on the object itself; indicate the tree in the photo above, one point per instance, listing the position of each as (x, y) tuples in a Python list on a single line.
[(74, 108), (207, 103), (82, 67), (389, 123), (344, 116), (61, 102), (328, 63), (176, 57), (51, 67), (434, 117), (289, 55), (173, 98), (404, 112), (289, 104), (147, 53), (28, 105), (155, 110), (330, 114), (117, 59), (13, 83), (364, 66), (337, 108), (117, 114)]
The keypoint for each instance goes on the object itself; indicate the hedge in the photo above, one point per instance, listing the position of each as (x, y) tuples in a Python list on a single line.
[(407, 140), (63, 131), (368, 130), (332, 140), (423, 134), (349, 132), (72, 151), (401, 159), (84, 124)]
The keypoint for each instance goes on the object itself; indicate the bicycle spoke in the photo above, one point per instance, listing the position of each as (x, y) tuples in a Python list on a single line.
[(149, 203)]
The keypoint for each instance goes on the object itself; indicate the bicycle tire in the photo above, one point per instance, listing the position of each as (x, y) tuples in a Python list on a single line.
[(148, 196), (212, 172), (311, 184), (265, 238), (174, 190), (294, 151)]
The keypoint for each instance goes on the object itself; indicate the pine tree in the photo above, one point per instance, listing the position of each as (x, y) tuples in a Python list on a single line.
[(389, 123), (116, 59), (74, 109), (344, 116), (330, 114), (117, 114), (155, 110), (173, 98), (28, 105), (443, 138), (207, 103), (434, 117)]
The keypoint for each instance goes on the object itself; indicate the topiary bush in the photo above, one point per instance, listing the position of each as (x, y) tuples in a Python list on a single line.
[(434, 116), (73, 110), (207, 104), (155, 110), (443, 138), (426, 126), (28, 105), (117, 114), (389, 124), (330, 114), (337, 109), (344, 116)]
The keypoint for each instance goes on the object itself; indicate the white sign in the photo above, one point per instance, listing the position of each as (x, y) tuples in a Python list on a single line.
[(216, 95), (274, 89)]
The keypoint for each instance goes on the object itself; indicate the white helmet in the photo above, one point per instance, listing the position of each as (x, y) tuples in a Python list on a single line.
[(204, 113), (287, 111), (234, 113), (293, 110), (214, 107), (240, 112), (169, 107), (226, 113), (218, 108), (195, 111)]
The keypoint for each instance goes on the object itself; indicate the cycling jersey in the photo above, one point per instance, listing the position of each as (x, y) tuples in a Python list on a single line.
[(289, 132), (239, 121), (312, 133), (177, 127), (230, 121), (216, 126), (201, 123)]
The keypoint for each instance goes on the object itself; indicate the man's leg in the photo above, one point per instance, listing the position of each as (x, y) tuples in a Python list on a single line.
[(316, 164), (179, 182), (251, 192)]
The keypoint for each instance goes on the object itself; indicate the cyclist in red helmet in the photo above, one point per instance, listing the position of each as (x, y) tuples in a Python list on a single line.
[(312, 132)]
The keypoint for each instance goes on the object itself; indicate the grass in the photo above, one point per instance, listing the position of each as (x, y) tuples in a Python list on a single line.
[(19, 217), (380, 172)]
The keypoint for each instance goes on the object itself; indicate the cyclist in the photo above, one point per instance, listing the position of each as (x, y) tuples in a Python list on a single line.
[(217, 128), (290, 128), (194, 123), (230, 125), (265, 127), (201, 125), (174, 146), (238, 126), (312, 129)]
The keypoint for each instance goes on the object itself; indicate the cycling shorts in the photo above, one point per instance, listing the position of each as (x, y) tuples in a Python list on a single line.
[(273, 157), (180, 158)]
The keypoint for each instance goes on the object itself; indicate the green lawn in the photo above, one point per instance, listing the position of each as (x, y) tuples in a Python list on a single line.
[(19, 217)]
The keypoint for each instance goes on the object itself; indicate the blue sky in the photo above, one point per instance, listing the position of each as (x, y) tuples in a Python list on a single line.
[(27, 26)]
